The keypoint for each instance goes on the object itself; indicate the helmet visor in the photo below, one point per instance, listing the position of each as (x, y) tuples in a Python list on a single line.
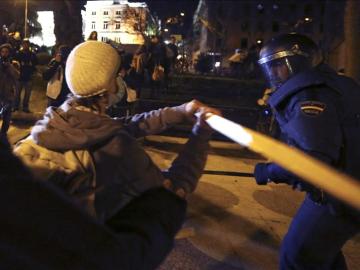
[(276, 71)]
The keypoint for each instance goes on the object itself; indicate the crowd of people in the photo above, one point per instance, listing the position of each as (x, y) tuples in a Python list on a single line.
[(151, 63), (18, 65), (91, 169)]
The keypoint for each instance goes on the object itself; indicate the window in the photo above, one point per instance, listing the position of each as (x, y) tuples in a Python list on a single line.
[(244, 26), (218, 42), (246, 10), (322, 9), (244, 43), (260, 8), (117, 25), (292, 9), (106, 12), (103, 39), (93, 25), (106, 25), (220, 11), (118, 12), (308, 10), (117, 39), (93, 13), (308, 28), (275, 27), (260, 27)]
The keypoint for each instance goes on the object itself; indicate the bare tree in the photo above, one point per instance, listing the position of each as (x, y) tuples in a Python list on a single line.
[(68, 21)]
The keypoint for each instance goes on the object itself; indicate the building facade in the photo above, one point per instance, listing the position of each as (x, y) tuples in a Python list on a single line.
[(223, 26), (119, 21)]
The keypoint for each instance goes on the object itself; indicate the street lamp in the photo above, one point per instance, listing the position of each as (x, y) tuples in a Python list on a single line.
[(166, 30), (182, 14), (26, 18)]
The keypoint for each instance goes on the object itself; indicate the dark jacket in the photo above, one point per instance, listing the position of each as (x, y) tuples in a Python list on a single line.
[(9, 75), (157, 55), (28, 62), (123, 169), (44, 230), (318, 112), (174, 49), (49, 73)]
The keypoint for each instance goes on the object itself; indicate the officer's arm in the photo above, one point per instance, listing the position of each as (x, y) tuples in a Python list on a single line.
[(314, 128)]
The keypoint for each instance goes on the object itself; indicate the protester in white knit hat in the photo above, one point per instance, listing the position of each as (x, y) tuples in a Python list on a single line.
[(91, 68), (123, 169)]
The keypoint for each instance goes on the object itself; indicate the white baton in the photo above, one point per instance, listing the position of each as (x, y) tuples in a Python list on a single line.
[(313, 171)]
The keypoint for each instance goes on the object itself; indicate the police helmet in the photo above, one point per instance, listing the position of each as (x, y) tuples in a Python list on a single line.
[(286, 55)]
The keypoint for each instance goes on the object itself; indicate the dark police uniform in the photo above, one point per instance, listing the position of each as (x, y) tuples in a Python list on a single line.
[(317, 111)]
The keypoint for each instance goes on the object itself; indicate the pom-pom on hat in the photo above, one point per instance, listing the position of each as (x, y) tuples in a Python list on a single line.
[(90, 67)]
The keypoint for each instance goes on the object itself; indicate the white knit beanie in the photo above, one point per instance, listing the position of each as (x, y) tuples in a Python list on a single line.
[(90, 67)]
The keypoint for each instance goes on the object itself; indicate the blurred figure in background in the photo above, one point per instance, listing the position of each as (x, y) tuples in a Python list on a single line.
[(237, 63), (9, 75), (93, 36), (157, 64), (4, 36), (174, 49), (28, 62), (58, 89)]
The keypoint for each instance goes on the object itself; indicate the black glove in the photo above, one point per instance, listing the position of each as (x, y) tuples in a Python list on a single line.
[(261, 174)]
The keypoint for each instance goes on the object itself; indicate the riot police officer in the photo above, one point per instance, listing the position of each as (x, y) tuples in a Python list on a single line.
[(317, 111)]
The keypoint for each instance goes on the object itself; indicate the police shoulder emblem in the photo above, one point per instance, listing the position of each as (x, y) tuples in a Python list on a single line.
[(312, 108)]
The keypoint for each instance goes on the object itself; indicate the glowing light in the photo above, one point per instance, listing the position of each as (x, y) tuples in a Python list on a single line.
[(307, 19), (259, 41), (47, 36), (166, 30), (217, 64), (182, 14)]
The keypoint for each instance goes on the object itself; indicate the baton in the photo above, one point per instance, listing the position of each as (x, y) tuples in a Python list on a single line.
[(311, 170)]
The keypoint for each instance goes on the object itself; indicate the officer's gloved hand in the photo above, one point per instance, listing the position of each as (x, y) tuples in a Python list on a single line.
[(261, 173)]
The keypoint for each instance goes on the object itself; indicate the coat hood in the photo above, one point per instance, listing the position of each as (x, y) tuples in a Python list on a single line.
[(69, 128)]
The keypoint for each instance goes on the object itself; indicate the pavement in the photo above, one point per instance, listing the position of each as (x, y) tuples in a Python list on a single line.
[(232, 223)]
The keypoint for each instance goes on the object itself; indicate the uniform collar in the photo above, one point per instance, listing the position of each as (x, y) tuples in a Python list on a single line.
[(302, 80)]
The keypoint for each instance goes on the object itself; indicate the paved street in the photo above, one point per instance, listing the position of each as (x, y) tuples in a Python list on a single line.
[(237, 224)]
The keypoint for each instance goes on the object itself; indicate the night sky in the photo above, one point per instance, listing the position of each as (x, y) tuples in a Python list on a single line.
[(170, 8)]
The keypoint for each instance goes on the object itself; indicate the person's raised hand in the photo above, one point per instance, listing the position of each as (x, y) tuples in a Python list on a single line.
[(58, 58)]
